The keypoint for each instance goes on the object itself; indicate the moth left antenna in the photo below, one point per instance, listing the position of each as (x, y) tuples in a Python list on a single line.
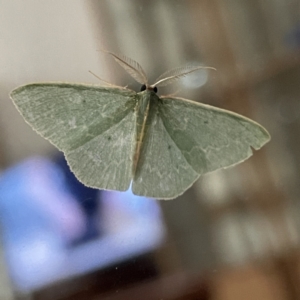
[(132, 67)]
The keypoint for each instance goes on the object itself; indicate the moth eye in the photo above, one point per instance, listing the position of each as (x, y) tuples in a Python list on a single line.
[(143, 87), (155, 89)]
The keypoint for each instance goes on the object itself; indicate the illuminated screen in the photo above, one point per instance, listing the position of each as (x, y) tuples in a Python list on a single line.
[(54, 227)]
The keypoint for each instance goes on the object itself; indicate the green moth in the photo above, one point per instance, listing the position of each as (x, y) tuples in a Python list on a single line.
[(113, 137)]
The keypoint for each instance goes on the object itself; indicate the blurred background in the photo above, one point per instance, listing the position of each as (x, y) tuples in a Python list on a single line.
[(234, 235)]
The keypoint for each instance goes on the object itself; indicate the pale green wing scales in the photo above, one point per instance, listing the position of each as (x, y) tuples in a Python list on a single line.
[(94, 127), (162, 171), (210, 138), (185, 139)]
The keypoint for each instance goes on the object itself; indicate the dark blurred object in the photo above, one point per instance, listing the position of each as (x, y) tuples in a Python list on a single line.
[(179, 286), (292, 38), (114, 279), (88, 199)]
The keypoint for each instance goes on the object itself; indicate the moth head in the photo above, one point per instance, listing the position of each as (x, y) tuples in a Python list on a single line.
[(149, 88)]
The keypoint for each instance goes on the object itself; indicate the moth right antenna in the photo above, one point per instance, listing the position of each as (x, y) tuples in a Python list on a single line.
[(175, 74)]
